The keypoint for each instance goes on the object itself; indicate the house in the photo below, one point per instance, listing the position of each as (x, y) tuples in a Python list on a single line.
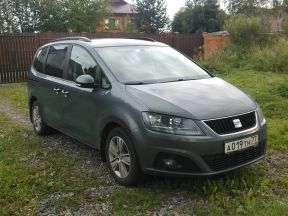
[(122, 18)]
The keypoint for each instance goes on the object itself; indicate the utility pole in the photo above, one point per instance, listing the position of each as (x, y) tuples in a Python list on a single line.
[(9, 15)]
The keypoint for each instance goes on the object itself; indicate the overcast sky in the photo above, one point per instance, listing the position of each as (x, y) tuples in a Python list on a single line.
[(172, 6)]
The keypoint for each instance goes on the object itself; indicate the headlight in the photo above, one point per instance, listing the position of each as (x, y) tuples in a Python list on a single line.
[(171, 124), (261, 116)]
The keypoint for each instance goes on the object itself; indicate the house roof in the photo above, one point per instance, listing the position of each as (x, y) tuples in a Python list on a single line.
[(121, 7)]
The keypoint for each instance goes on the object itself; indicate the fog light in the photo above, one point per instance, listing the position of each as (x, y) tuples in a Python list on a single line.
[(171, 164)]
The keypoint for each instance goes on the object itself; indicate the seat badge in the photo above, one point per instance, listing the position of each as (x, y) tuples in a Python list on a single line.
[(237, 123)]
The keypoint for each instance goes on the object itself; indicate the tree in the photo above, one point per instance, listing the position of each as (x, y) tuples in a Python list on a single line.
[(247, 7), (244, 30), (1, 17), (52, 15), (151, 15), (199, 16), (84, 15), (7, 12)]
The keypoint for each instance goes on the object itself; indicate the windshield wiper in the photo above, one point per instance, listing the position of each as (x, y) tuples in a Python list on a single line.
[(177, 80), (137, 83)]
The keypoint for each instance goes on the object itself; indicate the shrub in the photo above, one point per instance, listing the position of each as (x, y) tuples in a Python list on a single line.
[(271, 58), (244, 30), (282, 90), (285, 26), (231, 56)]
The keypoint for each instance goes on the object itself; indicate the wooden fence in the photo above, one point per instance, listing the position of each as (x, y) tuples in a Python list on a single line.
[(17, 50)]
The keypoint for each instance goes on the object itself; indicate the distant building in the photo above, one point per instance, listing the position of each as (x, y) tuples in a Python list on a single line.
[(277, 22), (122, 18)]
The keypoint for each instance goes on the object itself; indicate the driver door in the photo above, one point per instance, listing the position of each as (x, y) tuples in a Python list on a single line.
[(79, 110)]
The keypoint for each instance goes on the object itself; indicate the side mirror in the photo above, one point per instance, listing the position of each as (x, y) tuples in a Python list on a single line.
[(85, 81)]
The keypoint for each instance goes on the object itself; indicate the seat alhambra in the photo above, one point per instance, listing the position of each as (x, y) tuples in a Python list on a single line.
[(145, 106)]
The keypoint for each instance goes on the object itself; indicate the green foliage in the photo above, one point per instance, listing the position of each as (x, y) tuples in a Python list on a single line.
[(230, 56), (271, 58), (243, 30), (84, 15), (285, 26), (282, 90), (204, 16), (56, 15), (247, 7), (1, 17), (151, 15), (280, 5)]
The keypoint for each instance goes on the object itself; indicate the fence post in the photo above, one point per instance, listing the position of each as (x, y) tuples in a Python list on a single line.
[(205, 44)]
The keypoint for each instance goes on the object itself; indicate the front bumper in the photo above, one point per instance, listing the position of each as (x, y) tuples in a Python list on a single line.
[(198, 156)]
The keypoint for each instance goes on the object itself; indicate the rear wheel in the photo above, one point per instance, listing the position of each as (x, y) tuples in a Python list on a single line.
[(39, 125), (121, 158)]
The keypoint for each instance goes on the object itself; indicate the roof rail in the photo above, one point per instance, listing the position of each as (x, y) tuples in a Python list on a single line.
[(144, 38), (72, 38)]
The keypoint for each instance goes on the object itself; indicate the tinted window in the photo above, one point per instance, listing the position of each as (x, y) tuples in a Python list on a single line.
[(40, 60), (56, 60), (81, 63)]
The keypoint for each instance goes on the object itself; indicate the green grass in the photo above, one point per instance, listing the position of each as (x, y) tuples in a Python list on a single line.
[(16, 95), (260, 189), (24, 183)]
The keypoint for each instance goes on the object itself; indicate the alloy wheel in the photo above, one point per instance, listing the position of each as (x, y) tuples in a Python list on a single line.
[(119, 157), (37, 121)]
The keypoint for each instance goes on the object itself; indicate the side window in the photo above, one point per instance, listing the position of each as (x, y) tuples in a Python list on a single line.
[(40, 59), (80, 63), (56, 60)]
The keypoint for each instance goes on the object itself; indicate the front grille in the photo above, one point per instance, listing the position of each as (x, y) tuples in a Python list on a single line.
[(225, 161), (226, 125)]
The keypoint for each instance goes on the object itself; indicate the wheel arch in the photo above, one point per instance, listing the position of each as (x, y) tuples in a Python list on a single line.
[(106, 129)]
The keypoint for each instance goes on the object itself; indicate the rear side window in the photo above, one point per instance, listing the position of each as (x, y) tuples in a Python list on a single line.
[(40, 60), (81, 63), (56, 60)]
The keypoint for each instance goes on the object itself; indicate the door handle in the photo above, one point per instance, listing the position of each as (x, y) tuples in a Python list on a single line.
[(65, 93), (57, 90)]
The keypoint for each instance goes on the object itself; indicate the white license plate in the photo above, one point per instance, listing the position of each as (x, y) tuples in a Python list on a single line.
[(238, 145)]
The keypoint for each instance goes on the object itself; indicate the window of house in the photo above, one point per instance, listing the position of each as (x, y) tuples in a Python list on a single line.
[(56, 60), (40, 59), (80, 63), (131, 24), (112, 23)]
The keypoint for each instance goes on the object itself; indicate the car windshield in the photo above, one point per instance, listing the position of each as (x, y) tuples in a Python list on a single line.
[(149, 64)]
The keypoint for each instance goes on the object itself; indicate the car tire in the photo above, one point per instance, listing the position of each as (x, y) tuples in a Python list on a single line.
[(40, 127), (122, 158)]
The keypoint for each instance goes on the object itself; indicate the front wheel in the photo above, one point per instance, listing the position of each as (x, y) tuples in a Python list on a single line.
[(121, 158)]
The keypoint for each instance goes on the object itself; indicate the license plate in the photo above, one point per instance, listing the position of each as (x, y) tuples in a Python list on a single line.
[(238, 145)]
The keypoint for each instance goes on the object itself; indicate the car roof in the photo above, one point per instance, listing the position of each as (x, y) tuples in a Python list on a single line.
[(109, 42)]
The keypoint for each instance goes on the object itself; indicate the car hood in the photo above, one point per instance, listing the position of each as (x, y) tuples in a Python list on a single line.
[(197, 99)]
